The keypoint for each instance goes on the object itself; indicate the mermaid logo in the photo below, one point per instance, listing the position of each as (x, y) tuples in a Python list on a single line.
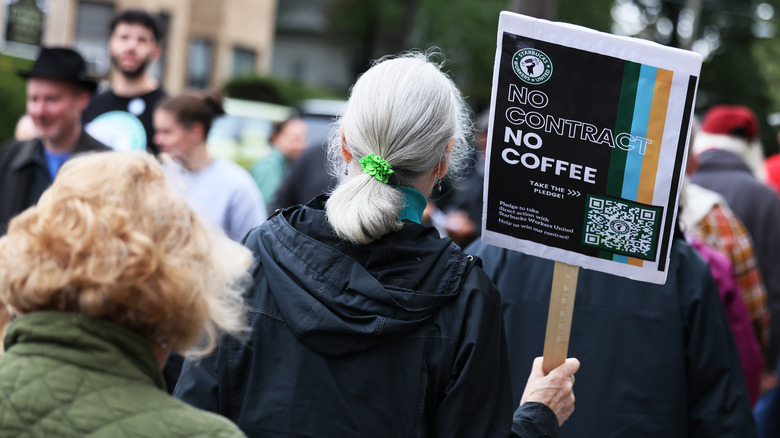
[(532, 66)]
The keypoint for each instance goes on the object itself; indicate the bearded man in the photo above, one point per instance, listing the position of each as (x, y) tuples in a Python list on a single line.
[(121, 116)]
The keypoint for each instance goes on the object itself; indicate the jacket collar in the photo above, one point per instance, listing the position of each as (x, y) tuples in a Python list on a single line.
[(718, 159), (32, 151), (414, 204), (86, 342)]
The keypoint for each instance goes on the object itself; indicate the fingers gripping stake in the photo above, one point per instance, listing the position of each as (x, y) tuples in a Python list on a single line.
[(556, 341)]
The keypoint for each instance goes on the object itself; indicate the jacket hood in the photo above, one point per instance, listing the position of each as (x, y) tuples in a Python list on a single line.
[(750, 152), (697, 202), (339, 298)]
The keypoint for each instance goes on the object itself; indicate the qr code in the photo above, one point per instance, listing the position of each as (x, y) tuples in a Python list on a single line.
[(622, 227)]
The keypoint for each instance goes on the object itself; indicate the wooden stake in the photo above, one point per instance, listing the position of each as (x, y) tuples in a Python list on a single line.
[(556, 341)]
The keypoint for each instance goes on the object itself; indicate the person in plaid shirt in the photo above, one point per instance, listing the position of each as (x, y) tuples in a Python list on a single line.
[(708, 218)]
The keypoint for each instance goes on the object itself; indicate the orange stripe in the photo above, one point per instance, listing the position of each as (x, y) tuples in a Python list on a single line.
[(655, 132), (635, 261)]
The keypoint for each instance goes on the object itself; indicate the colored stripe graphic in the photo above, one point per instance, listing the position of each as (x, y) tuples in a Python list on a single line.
[(644, 99), (625, 116), (617, 160), (634, 157), (658, 91)]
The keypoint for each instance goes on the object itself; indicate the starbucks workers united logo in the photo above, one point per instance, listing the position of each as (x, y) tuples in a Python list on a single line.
[(532, 66)]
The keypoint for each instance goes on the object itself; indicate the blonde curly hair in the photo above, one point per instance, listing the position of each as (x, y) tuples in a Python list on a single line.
[(111, 239)]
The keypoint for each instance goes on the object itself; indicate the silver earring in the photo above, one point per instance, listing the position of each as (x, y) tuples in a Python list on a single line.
[(439, 188), (346, 170)]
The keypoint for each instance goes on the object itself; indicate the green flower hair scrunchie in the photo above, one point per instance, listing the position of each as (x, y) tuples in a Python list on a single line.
[(377, 167)]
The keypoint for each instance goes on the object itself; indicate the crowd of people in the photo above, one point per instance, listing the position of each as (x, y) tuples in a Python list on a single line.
[(134, 263)]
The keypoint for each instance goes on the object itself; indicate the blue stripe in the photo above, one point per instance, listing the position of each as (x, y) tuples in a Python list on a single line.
[(620, 258), (644, 102)]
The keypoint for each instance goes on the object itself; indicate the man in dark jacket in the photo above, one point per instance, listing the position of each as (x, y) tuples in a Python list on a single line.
[(658, 360), (58, 90)]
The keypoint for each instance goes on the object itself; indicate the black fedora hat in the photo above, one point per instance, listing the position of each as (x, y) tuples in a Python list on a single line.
[(63, 64)]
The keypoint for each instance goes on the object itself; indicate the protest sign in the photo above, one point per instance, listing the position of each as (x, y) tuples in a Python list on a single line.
[(587, 143), (586, 146)]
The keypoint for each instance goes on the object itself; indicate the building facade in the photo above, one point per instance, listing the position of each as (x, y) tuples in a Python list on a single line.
[(206, 42), (303, 49)]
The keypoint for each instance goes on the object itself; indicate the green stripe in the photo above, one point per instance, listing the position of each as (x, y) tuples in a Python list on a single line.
[(625, 117), (606, 255)]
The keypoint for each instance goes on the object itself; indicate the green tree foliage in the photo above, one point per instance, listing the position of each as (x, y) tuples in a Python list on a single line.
[(740, 65), (465, 30), (275, 90), (592, 13), (736, 72), (768, 54), (12, 94)]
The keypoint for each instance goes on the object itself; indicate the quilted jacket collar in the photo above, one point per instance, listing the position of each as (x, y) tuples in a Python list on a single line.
[(86, 342)]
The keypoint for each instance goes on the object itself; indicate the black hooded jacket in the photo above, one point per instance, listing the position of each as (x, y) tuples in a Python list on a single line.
[(400, 338), (658, 360)]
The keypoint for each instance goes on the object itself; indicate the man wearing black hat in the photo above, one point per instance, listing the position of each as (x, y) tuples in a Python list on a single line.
[(58, 90)]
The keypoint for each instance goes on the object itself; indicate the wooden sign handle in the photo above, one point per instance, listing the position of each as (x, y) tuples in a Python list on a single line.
[(556, 341)]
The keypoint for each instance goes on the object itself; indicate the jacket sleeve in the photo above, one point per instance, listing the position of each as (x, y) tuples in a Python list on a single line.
[(205, 383), (477, 399), (198, 383), (768, 254), (534, 420), (717, 394)]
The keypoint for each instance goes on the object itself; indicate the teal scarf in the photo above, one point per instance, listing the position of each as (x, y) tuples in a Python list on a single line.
[(414, 204)]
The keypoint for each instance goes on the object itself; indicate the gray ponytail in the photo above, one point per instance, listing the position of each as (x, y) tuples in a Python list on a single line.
[(406, 111)]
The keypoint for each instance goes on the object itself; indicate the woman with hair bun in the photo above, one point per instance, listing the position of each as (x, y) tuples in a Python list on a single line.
[(220, 190), (107, 275), (366, 323)]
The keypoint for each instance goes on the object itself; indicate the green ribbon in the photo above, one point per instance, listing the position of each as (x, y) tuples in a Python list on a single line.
[(377, 167)]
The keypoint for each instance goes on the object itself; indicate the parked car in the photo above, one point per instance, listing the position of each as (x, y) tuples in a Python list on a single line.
[(241, 135), (320, 116)]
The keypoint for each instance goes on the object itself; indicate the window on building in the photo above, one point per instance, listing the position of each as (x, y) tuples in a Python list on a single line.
[(200, 62), (92, 35), (158, 68), (244, 61)]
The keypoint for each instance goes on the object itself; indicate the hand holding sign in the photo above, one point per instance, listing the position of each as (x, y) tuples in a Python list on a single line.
[(553, 388)]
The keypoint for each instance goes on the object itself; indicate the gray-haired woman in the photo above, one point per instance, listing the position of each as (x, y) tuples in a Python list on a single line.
[(366, 323)]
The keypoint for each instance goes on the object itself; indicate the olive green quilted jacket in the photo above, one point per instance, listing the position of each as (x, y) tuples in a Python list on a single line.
[(67, 375)]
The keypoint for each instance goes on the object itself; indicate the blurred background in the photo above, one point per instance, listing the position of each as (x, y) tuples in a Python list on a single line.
[(275, 57)]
